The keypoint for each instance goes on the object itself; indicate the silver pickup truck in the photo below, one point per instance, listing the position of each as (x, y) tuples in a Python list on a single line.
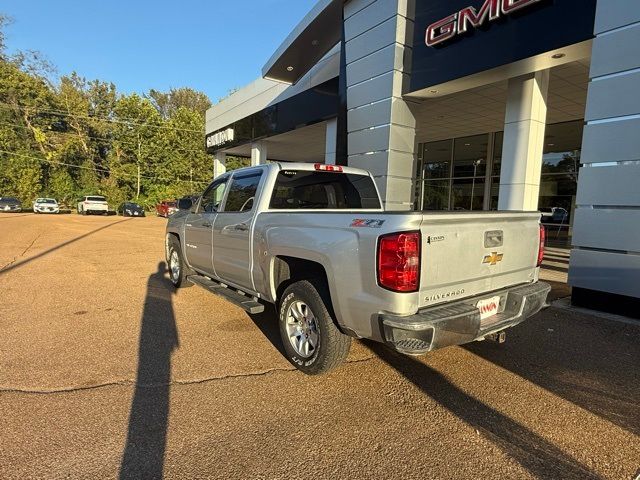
[(315, 241)]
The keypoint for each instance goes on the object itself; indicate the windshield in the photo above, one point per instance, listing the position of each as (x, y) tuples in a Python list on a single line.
[(296, 189), (132, 205), (8, 199), (45, 200), (96, 199)]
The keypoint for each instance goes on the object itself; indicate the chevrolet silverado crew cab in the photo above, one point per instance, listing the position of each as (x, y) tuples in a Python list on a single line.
[(315, 241)]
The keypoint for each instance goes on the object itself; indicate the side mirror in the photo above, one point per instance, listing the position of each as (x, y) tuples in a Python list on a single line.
[(185, 204)]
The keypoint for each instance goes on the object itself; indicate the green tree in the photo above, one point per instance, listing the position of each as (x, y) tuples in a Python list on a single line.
[(168, 103), (69, 136)]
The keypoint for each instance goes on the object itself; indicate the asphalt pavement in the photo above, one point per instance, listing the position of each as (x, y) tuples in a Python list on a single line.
[(106, 371)]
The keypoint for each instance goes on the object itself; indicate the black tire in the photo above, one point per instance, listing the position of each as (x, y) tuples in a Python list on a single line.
[(332, 345), (179, 277)]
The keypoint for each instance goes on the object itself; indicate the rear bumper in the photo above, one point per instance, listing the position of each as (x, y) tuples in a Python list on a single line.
[(459, 322)]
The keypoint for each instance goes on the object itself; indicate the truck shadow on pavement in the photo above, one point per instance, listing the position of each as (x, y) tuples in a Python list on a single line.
[(267, 323), (534, 453), (537, 455), (149, 416), (590, 362)]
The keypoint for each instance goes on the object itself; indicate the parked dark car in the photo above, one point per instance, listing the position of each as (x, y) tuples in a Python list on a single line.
[(10, 204), (130, 209)]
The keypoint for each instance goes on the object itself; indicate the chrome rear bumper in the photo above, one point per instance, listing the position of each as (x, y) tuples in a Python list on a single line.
[(459, 323)]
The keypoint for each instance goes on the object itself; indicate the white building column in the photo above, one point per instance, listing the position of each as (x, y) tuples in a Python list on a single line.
[(331, 139), (219, 164), (524, 129), (258, 153)]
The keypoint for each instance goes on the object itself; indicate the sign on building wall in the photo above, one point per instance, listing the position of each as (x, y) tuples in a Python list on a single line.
[(470, 18), (220, 138), (457, 38)]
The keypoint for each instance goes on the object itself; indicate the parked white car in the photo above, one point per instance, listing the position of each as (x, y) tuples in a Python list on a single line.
[(46, 205), (93, 204)]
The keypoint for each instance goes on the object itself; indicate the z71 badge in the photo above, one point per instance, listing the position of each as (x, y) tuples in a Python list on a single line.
[(367, 223)]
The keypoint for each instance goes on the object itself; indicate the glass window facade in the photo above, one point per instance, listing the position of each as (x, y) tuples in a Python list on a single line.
[(456, 170), (464, 173)]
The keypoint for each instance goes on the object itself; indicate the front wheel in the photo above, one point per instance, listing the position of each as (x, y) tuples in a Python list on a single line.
[(178, 270), (312, 341)]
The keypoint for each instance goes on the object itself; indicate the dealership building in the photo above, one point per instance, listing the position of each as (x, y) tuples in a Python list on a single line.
[(467, 105)]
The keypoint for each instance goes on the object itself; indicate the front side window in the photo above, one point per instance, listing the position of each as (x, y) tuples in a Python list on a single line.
[(242, 193), (212, 198), (301, 189)]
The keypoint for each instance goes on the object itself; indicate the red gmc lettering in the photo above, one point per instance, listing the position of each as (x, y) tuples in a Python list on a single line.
[(470, 16), (442, 30), (460, 22)]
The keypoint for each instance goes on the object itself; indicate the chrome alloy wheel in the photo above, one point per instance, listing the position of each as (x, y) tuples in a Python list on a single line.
[(302, 329), (174, 266)]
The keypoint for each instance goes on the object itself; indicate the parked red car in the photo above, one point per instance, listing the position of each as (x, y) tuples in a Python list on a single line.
[(166, 208)]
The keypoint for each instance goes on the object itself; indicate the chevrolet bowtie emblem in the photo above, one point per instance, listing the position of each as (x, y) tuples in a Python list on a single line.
[(493, 259)]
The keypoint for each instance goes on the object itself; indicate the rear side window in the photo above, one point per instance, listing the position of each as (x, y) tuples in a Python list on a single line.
[(242, 193), (297, 189)]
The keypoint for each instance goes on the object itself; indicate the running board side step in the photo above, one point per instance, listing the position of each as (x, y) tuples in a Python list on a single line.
[(248, 304)]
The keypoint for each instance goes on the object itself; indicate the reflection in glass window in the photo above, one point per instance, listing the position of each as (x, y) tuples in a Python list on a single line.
[(436, 195), (437, 159), (497, 155), (243, 192), (467, 194), (212, 197), (470, 156)]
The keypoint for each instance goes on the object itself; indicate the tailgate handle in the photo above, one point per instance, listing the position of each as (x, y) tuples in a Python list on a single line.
[(493, 239)]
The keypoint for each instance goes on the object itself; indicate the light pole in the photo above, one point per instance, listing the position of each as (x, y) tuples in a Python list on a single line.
[(473, 183)]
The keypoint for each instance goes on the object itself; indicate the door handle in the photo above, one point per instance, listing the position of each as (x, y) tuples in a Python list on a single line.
[(207, 225), (241, 227)]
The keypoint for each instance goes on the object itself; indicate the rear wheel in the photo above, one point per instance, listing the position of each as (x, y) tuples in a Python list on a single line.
[(178, 270), (312, 341)]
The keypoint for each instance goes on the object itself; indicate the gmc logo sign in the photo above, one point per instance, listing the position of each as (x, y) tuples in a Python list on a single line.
[(467, 18)]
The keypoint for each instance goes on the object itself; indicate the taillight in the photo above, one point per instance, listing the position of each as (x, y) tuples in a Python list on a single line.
[(321, 167), (543, 238), (399, 262)]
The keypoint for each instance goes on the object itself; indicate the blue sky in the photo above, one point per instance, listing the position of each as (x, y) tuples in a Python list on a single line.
[(211, 46)]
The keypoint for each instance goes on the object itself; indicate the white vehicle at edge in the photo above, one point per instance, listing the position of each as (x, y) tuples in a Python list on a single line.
[(93, 204), (46, 205)]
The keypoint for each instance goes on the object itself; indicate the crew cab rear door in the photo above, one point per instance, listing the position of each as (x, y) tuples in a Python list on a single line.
[(232, 251), (198, 229)]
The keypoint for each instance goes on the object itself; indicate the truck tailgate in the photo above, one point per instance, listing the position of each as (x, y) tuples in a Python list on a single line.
[(467, 254)]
